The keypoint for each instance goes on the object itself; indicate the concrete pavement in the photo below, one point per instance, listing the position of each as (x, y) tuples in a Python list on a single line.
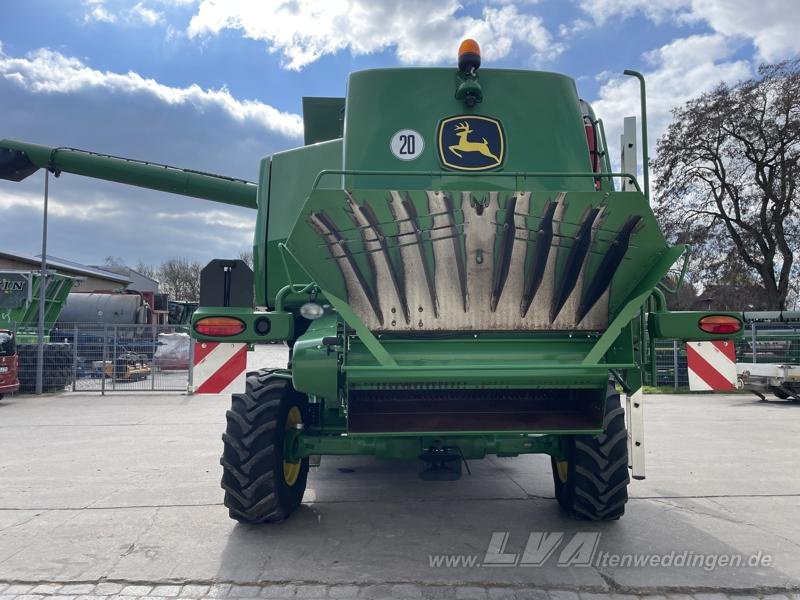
[(124, 490)]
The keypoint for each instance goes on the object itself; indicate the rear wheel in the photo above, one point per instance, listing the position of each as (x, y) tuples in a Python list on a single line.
[(260, 486), (591, 481)]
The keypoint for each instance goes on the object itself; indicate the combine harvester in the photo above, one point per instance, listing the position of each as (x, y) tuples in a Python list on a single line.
[(456, 276)]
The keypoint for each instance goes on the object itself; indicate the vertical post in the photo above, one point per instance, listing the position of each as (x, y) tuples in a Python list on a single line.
[(42, 291), (154, 338), (74, 356), (675, 364), (105, 358), (753, 338), (190, 383), (114, 362)]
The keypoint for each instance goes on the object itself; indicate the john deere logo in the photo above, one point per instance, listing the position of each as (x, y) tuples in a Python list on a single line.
[(471, 143)]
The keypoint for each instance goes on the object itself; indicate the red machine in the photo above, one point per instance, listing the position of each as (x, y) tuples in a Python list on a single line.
[(9, 383)]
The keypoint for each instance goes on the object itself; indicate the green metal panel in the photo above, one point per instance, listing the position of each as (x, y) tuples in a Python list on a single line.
[(316, 368), (293, 172), (539, 111), (260, 233), (487, 360), (323, 119), (473, 447), (26, 314)]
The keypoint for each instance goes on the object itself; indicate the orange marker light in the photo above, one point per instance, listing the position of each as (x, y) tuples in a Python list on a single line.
[(720, 324), (469, 56), (469, 45), (219, 326)]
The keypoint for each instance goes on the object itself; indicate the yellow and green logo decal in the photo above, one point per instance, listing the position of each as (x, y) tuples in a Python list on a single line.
[(471, 143)]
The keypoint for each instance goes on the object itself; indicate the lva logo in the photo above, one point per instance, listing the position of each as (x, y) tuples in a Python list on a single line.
[(576, 551)]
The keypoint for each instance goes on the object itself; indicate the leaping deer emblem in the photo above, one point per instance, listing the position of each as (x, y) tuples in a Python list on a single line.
[(462, 130)]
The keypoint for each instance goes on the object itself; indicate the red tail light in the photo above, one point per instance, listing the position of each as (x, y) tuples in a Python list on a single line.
[(219, 326), (719, 324)]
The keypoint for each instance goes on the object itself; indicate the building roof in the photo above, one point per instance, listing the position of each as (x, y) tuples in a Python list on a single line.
[(123, 270), (66, 266)]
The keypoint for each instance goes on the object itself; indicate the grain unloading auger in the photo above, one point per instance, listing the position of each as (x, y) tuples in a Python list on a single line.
[(19, 160), (455, 274)]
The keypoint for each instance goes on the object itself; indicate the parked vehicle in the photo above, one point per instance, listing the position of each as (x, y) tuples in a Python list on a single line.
[(9, 383)]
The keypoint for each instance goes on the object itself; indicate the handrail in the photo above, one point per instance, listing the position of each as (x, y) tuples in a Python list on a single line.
[(524, 174), (643, 103)]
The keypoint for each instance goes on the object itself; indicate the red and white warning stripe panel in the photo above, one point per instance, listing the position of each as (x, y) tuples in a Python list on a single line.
[(219, 367), (712, 365)]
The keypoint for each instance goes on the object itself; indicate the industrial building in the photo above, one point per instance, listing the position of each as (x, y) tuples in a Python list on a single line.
[(89, 278)]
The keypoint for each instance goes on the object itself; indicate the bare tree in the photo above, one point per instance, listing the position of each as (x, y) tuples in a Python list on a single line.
[(180, 279), (147, 270), (247, 257), (113, 261), (728, 174)]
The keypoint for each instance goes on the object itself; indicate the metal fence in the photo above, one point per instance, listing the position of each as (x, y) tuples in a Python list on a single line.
[(761, 343), (107, 358), (131, 358)]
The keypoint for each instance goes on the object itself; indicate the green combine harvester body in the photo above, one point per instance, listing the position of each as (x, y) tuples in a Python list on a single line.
[(20, 296), (456, 274)]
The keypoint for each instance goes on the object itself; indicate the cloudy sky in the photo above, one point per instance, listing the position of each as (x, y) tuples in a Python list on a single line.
[(215, 85)]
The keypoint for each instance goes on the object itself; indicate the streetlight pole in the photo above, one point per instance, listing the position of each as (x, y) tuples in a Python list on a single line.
[(42, 291)]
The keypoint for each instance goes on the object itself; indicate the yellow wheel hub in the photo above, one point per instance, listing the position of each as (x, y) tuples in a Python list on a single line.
[(291, 471), (562, 467)]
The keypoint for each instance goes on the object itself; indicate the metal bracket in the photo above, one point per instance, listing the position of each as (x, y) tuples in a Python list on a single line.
[(634, 413), (367, 337), (687, 253)]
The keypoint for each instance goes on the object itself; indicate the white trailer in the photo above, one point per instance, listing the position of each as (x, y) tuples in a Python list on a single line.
[(761, 378)]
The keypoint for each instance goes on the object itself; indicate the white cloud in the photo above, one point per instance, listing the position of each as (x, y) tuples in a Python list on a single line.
[(681, 70), (420, 31), (139, 14), (215, 218), (574, 27), (97, 11), (770, 25), (50, 72), (59, 208), (148, 16), (657, 11)]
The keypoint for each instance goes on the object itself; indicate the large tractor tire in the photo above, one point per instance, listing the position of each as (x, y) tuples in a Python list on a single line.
[(592, 482), (260, 487)]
